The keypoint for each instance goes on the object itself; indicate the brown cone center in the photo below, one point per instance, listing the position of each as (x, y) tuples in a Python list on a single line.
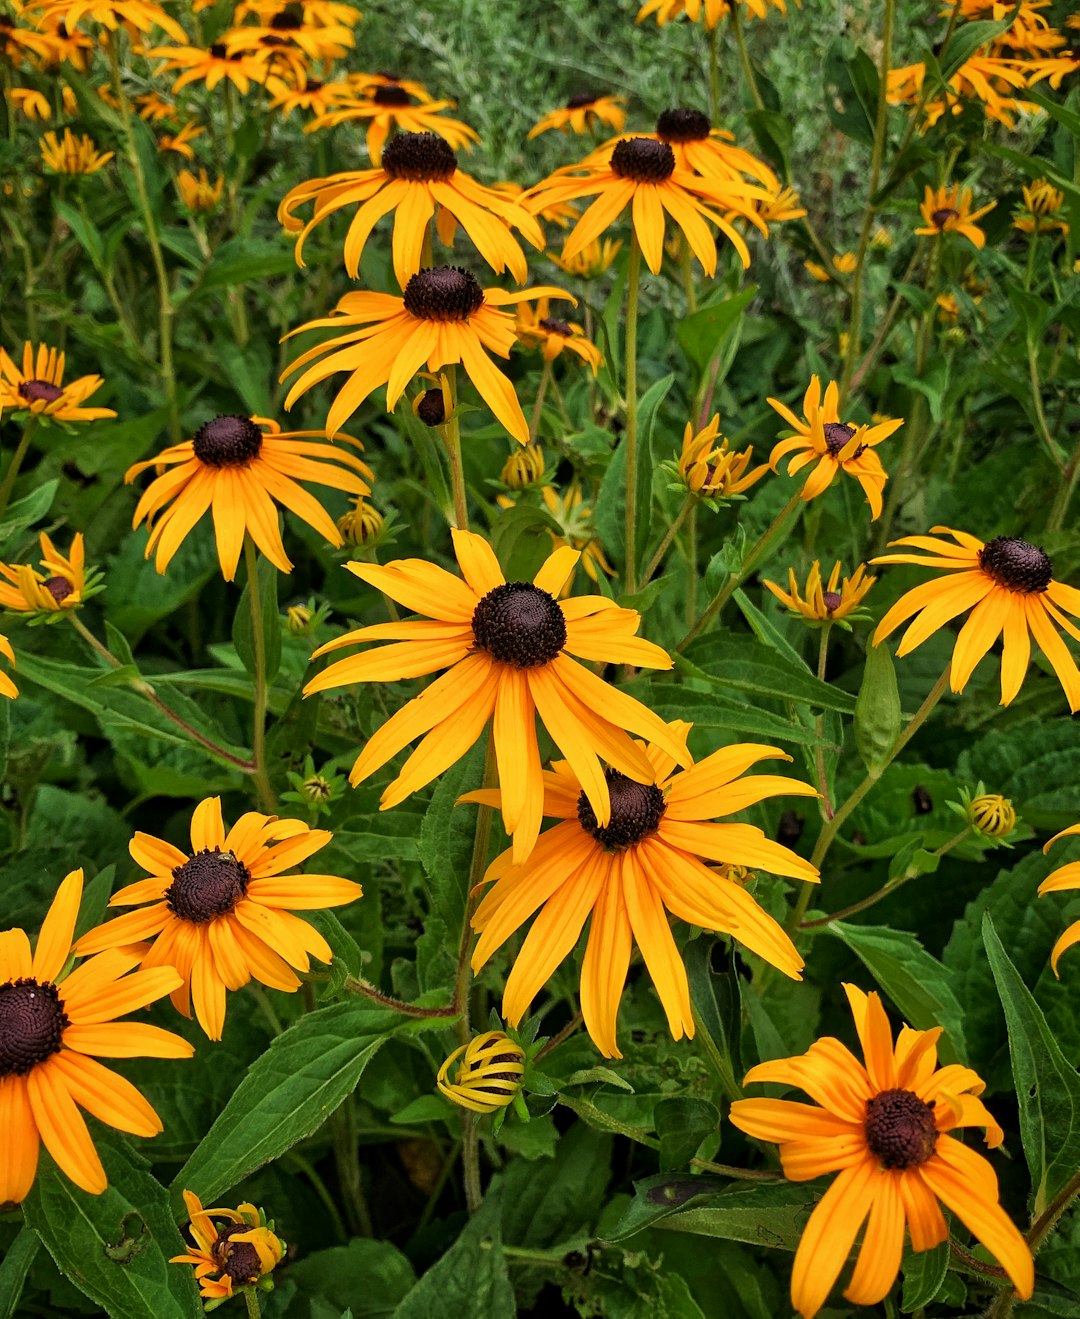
[(227, 441), (940, 219), (636, 810), (519, 624), (683, 126), (39, 391), (900, 1129), (419, 157), (447, 293), (1016, 564), (209, 884), (32, 1023), (644, 160)]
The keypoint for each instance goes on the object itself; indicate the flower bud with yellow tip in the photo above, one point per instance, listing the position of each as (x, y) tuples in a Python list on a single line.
[(487, 1073)]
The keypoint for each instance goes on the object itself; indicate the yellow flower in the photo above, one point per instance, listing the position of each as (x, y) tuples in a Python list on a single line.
[(843, 264), (153, 108), (992, 815), (392, 105), (488, 1076), (209, 66), (714, 470), (588, 261), (702, 149), (817, 271), (948, 307), (507, 648), (1009, 586), (293, 27), (38, 388), (222, 913), (71, 154), (29, 102), (444, 317), (180, 142), (240, 1253), (948, 210), (711, 12), (1042, 201), (832, 445), (304, 93), (574, 518), (524, 467), (884, 1127), (537, 328), (881, 238), (7, 687), (626, 873), (198, 193), (60, 583), (133, 15), (51, 1028), (846, 262), (783, 205), (824, 603), (583, 112), (238, 468), (362, 525)]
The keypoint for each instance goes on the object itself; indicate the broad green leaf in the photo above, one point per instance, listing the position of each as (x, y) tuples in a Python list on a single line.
[(240, 261), (367, 1278), (701, 334), (744, 664), (761, 1214), (924, 1272), (446, 838), (1047, 1086), (287, 1094), (13, 1270), (717, 1008), (851, 91), (967, 39), (471, 1278), (728, 713), (682, 1123), (547, 1202), (774, 134), (116, 1246), (877, 709), (25, 512)]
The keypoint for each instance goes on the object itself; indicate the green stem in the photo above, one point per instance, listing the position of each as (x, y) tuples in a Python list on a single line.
[(541, 393), (822, 778), (258, 730), (714, 74), (251, 1300), (686, 265), (470, 1160), (744, 60), (350, 1177), (1065, 491), (630, 439), (366, 990), (890, 318), (15, 464), (750, 559), (689, 503), (451, 433), (691, 563)]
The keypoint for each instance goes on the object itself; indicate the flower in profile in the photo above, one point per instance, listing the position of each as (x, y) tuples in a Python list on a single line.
[(1065, 878), (702, 149), (38, 389), (240, 1253), (825, 602), (641, 173), (238, 468), (210, 66), (418, 180), (1042, 202), (783, 205), (844, 263), (7, 687), (293, 28), (72, 154), (52, 1030), (715, 471), (832, 445), (132, 15), (582, 112), (884, 1127), (647, 859), (444, 317), (1008, 584), (948, 308), (574, 519), (508, 649), (222, 912), (302, 92), (537, 328), (153, 108), (197, 193), (181, 142), (588, 261), (948, 210), (390, 105), (488, 1077), (58, 585), (29, 102), (16, 41)]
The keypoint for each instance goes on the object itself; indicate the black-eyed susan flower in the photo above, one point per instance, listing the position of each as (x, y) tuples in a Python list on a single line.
[(304, 93), (537, 328), (153, 108), (132, 15), (991, 815), (59, 584), (948, 210), (239, 468), (487, 1075), (241, 1252), (181, 142), (18, 40), (222, 912), (715, 470), (38, 388), (1008, 584), (710, 12), (702, 149), (508, 649), (832, 445), (293, 27), (211, 66), (324, 13), (418, 180), (581, 113), (830, 601), (641, 173), (52, 1030), (197, 192), (391, 106), (72, 154), (444, 317), (28, 102), (7, 687), (624, 875), (589, 261), (1042, 202), (884, 1127)]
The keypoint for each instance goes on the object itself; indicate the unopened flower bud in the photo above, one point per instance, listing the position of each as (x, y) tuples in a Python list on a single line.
[(523, 468), (488, 1075), (298, 619), (362, 525), (992, 815)]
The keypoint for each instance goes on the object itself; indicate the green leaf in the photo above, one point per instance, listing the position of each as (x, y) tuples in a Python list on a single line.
[(13, 1270), (851, 91), (25, 512), (548, 1202), (367, 1278), (717, 1008), (1047, 1086), (287, 1094), (764, 1214), (242, 634), (241, 261), (682, 1123), (924, 1271), (711, 710), (774, 135), (877, 709), (967, 39), (701, 334), (115, 1247), (446, 838), (471, 1278), (746, 665)]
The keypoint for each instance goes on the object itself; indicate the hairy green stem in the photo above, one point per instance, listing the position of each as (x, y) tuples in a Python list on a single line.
[(688, 506), (451, 433), (353, 985), (251, 1300), (258, 728), (744, 59), (819, 725), (630, 439)]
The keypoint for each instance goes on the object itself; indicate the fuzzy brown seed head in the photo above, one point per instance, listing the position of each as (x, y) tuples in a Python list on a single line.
[(447, 293), (900, 1129), (227, 441), (391, 95), (519, 624), (431, 408), (419, 157), (32, 1024), (581, 99), (39, 391), (1016, 564), (238, 1260), (831, 600), (288, 20), (209, 884), (643, 159), (59, 588), (636, 810), (837, 434), (939, 219), (683, 126), (554, 326)]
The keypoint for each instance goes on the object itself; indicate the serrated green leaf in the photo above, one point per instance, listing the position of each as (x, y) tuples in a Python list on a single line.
[(682, 1123), (771, 1214), (744, 664), (924, 1272), (13, 1270)]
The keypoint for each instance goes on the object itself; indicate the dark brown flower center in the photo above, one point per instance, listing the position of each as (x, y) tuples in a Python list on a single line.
[(432, 408), (392, 95), (447, 293), (554, 326), (238, 1260), (227, 441), (39, 391), (837, 435), (495, 1076), (636, 810), (519, 624), (831, 600), (288, 20), (32, 1023), (1016, 564), (313, 86), (900, 1129), (218, 51), (208, 884), (643, 159), (940, 218), (419, 157), (683, 126), (59, 588), (581, 100)]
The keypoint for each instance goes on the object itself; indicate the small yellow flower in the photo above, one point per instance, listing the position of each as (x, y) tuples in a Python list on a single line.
[(29, 102), (523, 468), (298, 619), (7, 687), (37, 388), (179, 142), (153, 108), (817, 271), (991, 815), (536, 327), (488, 1076), (714, 470), (948, 210), (846, 262), (1042, 201), (582, 113), (784, 205), (948, 307), (362, 524), (241, 1253), (60, 584), (197, 193), (71, 154), (593, 259), (827, 602), (575, 522)]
